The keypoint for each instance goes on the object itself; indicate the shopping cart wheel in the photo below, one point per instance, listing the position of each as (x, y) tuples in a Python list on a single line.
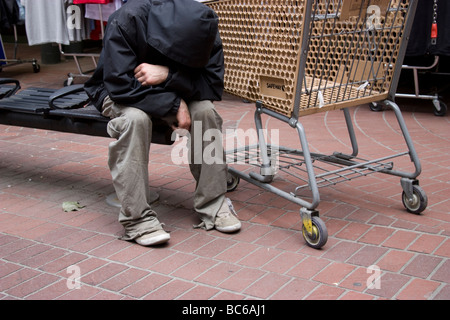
[(318, 236), (376, 106), (418, 201), (232, 182), (36, 67), (69, 81), (441, 109)]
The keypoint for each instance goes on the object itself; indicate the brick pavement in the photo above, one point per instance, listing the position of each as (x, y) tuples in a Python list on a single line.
[(42, 247)]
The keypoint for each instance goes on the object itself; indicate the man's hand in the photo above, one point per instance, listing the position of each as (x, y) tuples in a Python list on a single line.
[(151, 74), (183, 117)]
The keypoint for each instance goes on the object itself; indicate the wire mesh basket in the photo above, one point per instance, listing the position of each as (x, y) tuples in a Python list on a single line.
[(299, 60)]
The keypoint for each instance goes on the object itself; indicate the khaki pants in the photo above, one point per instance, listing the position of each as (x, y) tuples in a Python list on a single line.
[(129, 157)]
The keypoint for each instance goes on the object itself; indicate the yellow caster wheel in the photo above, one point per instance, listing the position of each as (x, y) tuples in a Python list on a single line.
[(318, 234)]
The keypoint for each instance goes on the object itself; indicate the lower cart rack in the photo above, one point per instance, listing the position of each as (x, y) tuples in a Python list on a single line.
[(261, 163), (333, 169)]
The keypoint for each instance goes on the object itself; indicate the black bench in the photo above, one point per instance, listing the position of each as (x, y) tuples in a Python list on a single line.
[(8, 87), (65, 110)]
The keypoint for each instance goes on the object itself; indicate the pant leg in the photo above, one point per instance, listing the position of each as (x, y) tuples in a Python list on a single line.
[(207, 161), (128, 163)]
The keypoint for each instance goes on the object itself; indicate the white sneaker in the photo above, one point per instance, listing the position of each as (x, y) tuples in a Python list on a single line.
[(153, 238), (226, 218)]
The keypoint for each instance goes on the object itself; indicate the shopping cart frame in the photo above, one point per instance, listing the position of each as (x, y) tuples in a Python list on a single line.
[(262, 155)]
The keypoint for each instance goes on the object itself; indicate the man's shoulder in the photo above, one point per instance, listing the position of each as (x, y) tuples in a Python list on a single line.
[(135, 8)]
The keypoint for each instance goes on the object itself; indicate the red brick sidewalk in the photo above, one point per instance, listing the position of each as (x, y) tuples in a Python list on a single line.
[(43, 248)]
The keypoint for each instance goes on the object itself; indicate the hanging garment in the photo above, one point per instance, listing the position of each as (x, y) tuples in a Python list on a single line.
[(93, 10), (45, 21), (9, 14), (420, 40), (21, 12), (91, 1), (77, 26), (95, 31)]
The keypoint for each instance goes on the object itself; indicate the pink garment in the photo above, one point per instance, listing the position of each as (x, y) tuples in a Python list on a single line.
[(92, 1)]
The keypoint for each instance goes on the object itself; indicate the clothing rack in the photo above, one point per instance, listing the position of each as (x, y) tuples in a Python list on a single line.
[(10, 15), (94, 56), (4, 62)]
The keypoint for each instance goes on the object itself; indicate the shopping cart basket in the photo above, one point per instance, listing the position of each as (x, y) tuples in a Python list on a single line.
[(296, 58)]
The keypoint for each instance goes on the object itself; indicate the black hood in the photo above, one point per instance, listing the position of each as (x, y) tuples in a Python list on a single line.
[(183, 30)]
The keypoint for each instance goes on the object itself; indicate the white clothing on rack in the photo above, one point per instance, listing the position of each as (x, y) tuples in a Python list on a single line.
[(45, 21)]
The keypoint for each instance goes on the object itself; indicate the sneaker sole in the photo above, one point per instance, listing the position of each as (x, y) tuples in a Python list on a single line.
[(229, 229), (154, 240)]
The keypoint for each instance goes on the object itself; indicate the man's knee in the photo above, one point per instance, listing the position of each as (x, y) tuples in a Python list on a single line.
[(137, 117), (131, 120), (205, 112)]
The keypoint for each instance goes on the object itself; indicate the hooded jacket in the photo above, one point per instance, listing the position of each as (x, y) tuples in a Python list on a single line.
[(180, 34)]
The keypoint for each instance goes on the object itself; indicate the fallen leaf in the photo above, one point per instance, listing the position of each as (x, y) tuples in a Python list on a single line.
[(71, 206)]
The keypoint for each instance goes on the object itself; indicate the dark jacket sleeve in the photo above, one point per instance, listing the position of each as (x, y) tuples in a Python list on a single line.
[(203, 83), (120, 59)]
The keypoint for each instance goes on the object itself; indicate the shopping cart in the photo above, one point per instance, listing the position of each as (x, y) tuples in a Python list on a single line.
[(297, 58)]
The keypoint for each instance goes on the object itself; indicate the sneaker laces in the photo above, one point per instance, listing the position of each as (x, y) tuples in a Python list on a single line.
[(227, 201), (230, 205)]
